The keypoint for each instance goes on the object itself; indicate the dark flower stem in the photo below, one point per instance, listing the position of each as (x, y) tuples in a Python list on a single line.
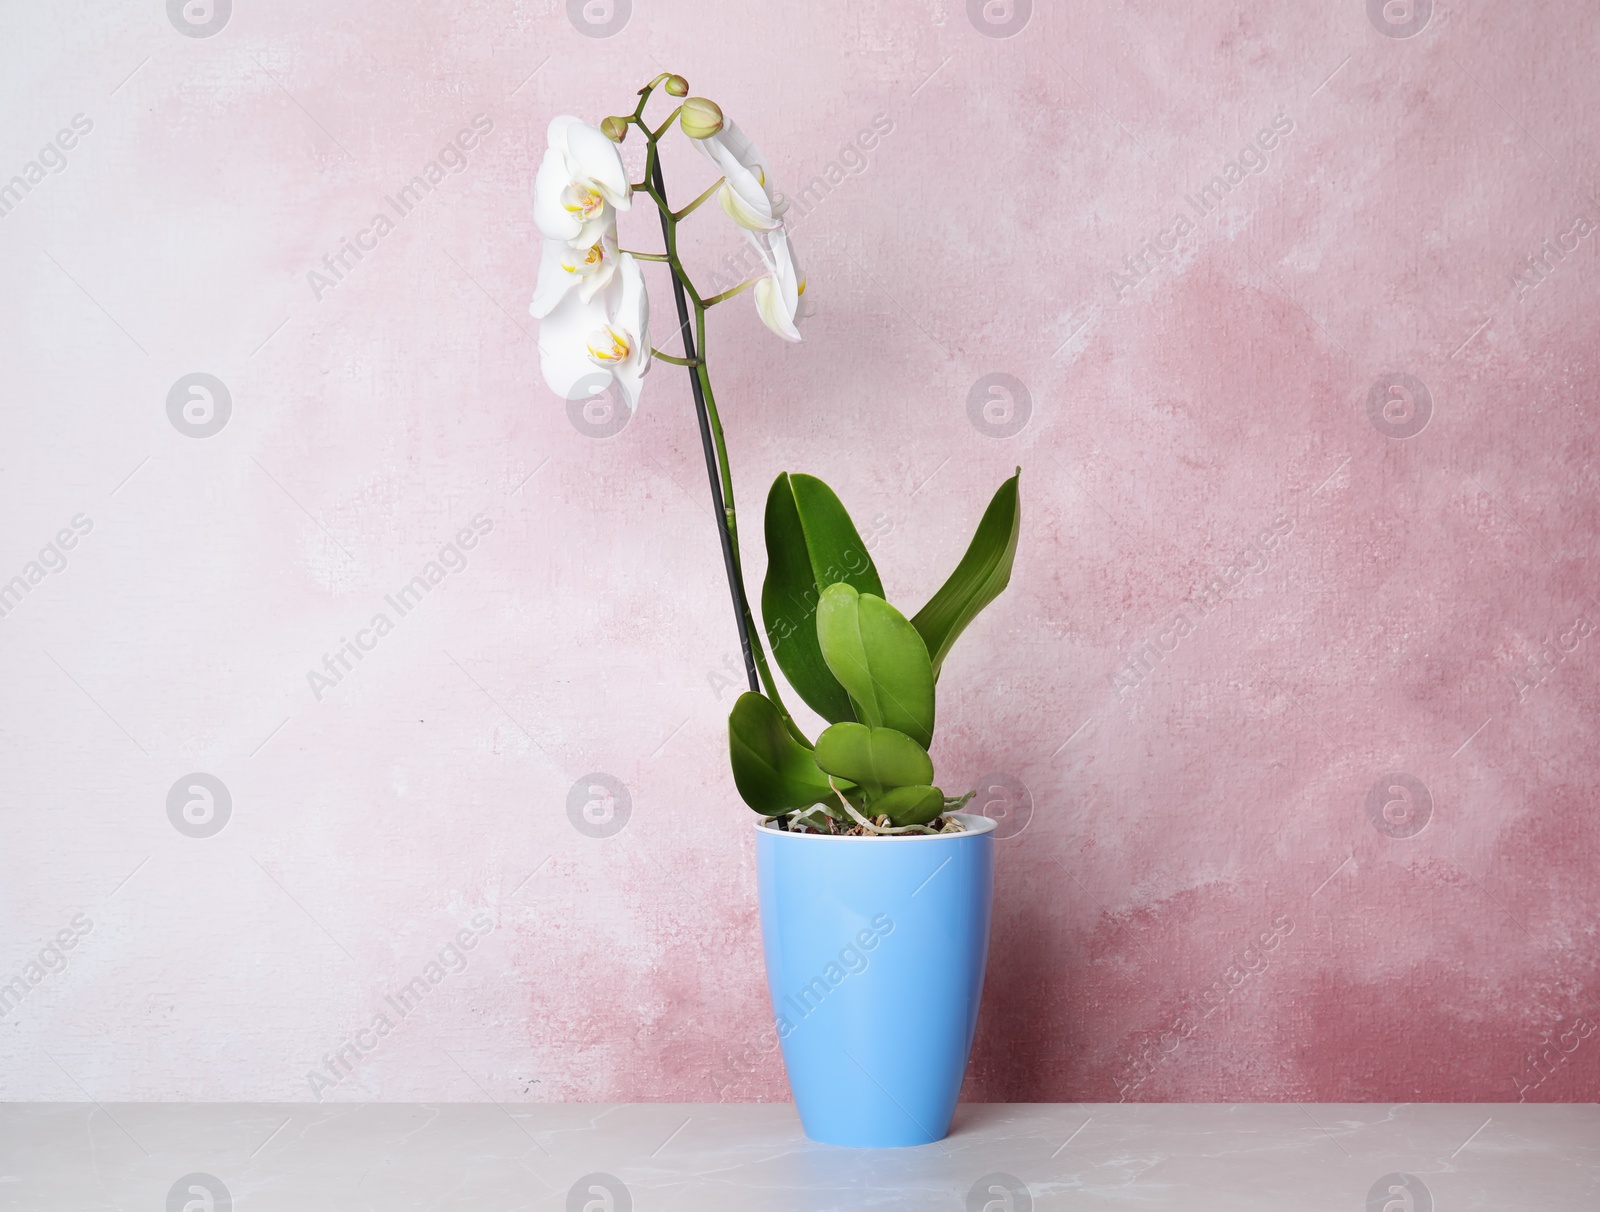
[(730, 557), (712, 440)]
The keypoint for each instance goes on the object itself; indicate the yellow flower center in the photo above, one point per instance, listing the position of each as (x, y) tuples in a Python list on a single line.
[(579, 199), (608, 345), (586, 262)]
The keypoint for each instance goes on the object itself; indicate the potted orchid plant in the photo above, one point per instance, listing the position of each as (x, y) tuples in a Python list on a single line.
[(875, 887)]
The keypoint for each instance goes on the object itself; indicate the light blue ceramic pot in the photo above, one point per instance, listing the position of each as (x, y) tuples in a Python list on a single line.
[(876, 949)]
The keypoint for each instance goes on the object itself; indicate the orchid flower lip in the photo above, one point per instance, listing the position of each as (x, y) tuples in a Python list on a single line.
[(563, 268), (579, 199), (608, 345)]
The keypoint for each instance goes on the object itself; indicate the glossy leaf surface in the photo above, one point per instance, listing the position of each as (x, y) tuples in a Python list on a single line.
[(983, 572), (811, 544), (876, 758), (913, 805), (773, 772), (880, 659)]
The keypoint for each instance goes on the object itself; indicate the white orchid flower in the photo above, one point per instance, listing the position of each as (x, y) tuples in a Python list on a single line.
[(750, 201), (586, 344), (622, 344), (745, 193), (563, 268), (581, 184), (779, 294)]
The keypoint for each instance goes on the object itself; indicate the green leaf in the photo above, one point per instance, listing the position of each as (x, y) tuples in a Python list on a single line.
[(811, 544), (983, 572), (880, 659), (772, 770), (915, 805), (876, 758)]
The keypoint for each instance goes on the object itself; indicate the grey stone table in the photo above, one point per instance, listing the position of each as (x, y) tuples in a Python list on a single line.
[(648, 1157)]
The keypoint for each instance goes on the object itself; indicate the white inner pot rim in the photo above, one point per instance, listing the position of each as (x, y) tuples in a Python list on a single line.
[(975, 826)]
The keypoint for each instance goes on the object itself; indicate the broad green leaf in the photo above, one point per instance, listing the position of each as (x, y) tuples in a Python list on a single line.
[(811, 544), (876, 758), (880, 659), (773, 771), (983, 572), (916, 805)]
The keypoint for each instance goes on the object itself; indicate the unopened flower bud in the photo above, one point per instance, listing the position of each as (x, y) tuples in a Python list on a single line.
[(677, 86), (701, 118), (615, 129)]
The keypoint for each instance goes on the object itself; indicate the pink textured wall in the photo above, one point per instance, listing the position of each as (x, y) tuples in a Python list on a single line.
[(1245, 604)]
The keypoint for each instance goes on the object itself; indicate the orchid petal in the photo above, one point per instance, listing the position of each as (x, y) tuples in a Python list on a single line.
[(772, 308), (563, 268), (592, 285), (596, 161), (633, 308), (778, 294), (554, 280), (552, 218), (563, 346), (744, 195), (556, 132), (739, 209)]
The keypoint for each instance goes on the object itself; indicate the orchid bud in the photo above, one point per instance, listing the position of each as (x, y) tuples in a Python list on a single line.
[(677, 86), (615, 129), (701, 118)]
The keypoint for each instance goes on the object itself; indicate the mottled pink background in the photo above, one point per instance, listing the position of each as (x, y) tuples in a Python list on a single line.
[(1176, 816)]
